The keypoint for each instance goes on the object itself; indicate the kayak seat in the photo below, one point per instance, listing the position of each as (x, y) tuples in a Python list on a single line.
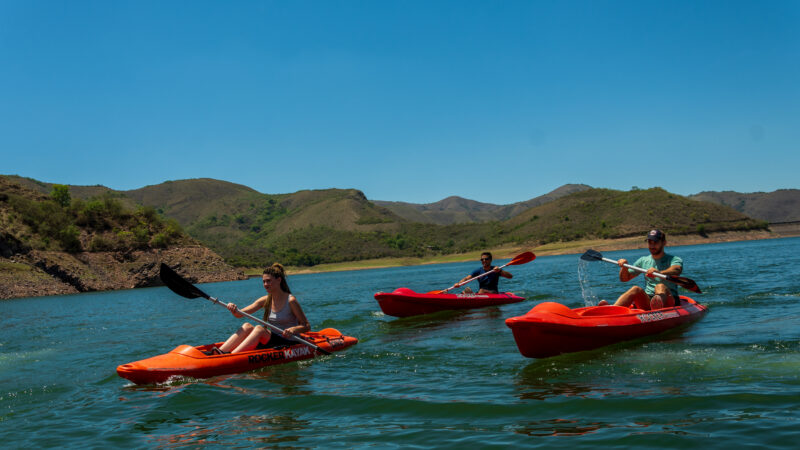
[(188, 350), (403, 291), (553, 308), (609, 310)]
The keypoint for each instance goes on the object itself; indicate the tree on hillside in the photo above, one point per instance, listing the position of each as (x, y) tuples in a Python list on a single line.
[(61, 195)]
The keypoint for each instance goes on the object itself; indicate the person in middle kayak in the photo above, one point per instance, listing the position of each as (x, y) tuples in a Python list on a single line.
[(657, 293), (487, 284), (281, 309)]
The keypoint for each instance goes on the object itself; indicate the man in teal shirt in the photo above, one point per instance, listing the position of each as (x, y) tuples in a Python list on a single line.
[(657, 293)]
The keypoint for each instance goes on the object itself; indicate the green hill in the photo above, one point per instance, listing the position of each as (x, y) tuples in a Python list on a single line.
[(606, 213), (250, 228), (335, 225), (305, 228)]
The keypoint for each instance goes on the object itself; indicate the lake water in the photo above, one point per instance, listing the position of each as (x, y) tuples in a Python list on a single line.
[(451, 379)]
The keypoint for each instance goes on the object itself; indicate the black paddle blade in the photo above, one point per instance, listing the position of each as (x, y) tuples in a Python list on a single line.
[(686, 283), (179, 285), (592, 255)]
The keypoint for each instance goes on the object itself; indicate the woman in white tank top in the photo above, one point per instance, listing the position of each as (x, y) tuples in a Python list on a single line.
[(281, 309)]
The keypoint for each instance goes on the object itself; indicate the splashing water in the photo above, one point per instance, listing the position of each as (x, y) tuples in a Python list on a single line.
[(589, 297)]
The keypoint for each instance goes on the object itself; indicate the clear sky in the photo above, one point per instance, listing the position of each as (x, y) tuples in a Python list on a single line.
[(496, 101)]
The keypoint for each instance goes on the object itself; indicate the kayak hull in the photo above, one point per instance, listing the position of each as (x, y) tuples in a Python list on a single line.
[(550, 329), (404, 302), (188, 361)]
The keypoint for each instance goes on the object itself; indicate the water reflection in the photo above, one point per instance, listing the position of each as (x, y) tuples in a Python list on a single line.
[(546, 380), (288, 378), (265, 429), (590, 374), (272, 429), (561, 427)]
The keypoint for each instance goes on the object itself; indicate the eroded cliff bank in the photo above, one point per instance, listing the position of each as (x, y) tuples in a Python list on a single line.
[(37, 273)]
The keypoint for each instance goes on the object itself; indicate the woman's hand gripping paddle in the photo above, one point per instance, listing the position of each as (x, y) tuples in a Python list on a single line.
[(522, 258), (183, 288), (593, 255)]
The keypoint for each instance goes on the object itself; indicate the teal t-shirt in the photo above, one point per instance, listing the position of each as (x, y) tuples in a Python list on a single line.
[(666, 261)]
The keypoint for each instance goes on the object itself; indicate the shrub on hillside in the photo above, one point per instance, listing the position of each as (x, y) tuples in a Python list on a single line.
[(61, 195), (100, 244), (160, 240), (69, 239), (150, 214)]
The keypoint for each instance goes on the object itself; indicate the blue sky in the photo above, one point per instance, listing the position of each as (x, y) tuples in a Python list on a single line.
[(496, 101)]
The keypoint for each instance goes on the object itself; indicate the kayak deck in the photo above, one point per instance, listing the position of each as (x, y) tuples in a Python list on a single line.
[(404, 302), (194, 362), (551, 328)]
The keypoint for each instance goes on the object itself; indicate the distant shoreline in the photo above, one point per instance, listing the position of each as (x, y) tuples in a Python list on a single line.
[(777, 231)]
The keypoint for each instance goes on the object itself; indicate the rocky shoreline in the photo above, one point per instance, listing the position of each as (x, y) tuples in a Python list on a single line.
[(40, 273)]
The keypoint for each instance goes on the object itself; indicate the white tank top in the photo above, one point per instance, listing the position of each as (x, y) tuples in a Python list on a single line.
[(284, 318)]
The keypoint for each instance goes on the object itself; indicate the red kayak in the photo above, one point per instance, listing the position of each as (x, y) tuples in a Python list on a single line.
[(550, 328), (404, 302), (195, 362)]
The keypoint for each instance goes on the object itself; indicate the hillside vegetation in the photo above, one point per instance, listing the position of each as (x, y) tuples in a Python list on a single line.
[(248, 228), (309, 227), (606, 213), (30, 220), (56, 243), (782, 205), (325, 226)]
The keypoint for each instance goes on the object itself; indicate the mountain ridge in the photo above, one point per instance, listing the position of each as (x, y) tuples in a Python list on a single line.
[(781, 205), (455, 209), (309, 227)]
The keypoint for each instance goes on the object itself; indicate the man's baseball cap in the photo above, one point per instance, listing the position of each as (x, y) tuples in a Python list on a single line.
[(655, 235)]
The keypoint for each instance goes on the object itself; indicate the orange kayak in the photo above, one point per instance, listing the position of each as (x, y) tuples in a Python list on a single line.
[(551, 328), (188, 361), (403, 302)]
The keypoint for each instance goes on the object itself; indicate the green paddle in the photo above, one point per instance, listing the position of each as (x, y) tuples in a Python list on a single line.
[(183, 288), (594, 255), (522, 258)]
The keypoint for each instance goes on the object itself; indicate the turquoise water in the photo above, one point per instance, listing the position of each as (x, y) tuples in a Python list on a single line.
[(450, 379)]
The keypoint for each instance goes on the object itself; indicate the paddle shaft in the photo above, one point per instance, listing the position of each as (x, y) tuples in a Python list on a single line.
[(461, 283), (639, 269), (271, 326)]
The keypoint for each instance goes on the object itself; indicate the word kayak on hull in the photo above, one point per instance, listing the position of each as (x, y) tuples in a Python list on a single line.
[(194, 362), (403, 302), (551, 328)]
